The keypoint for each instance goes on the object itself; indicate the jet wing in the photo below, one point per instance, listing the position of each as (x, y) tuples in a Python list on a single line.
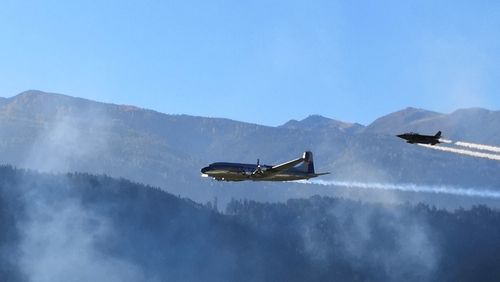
[(279, 168)]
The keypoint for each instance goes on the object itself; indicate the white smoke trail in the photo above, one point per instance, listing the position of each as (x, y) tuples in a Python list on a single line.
[(445, 141), (463, 152), (409, 188), (478, 146)]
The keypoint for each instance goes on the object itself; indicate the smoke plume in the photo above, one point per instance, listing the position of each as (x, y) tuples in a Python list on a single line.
[(463, 152), (469, 192), (478, 146), (60, 242), (445, 141)]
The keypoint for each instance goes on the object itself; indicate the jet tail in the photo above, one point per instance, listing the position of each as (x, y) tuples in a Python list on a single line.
[(438, 135), (308, 164)]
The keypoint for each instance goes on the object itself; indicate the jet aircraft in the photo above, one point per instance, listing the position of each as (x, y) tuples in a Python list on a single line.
[(297, 169), (413, 138)]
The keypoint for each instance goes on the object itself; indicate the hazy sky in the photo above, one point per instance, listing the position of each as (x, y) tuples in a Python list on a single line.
[(257, 61)]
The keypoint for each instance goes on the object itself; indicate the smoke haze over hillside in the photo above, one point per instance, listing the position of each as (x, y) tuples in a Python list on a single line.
[(96, 228), (83, 227), (51, 132)]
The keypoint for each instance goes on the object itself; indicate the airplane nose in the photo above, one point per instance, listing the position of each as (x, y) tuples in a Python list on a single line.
[(204, 170)]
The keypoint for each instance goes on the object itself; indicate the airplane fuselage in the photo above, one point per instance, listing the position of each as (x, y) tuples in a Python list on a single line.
[(414, 138), (239, 172), (296, 169)]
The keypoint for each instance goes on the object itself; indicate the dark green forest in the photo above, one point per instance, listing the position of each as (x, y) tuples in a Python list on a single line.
[(81, 227)]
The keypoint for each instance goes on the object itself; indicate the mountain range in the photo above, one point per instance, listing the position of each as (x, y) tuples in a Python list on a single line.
[(58, 133)]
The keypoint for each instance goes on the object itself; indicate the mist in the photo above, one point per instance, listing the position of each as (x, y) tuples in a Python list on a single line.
[(410, 253), (62, 241), (70, 141)]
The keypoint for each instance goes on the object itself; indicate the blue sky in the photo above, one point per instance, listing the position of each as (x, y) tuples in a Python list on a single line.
[(257, 61)]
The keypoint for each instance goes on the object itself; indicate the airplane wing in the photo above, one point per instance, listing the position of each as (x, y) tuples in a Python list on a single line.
[(279, 168), (285, 166)]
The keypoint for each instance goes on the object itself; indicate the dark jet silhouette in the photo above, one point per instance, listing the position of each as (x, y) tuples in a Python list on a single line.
[(301, 168), (413, 138)]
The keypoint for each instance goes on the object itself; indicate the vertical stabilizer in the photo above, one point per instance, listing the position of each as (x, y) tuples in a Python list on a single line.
[(438, 135), (308, 164)]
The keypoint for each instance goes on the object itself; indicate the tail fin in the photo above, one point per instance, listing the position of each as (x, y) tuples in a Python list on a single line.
[(438, 135), (308, 164)]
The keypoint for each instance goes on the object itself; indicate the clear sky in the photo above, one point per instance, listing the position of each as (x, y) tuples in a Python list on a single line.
[(257, 61)]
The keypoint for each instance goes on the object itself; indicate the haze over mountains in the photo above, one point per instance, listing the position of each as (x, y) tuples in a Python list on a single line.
[(53, 132), (81, 227)]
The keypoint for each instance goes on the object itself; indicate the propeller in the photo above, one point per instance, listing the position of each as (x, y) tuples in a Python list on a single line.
[(258, 170)]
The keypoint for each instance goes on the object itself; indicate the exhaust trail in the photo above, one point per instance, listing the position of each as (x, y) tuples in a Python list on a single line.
[(478, 146), (468, 192), (463, 152), (445, 141)]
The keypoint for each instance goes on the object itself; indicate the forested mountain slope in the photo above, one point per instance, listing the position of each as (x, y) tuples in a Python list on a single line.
[(95, 228)]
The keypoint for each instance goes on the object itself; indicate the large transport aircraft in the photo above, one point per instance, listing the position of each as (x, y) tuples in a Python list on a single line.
[(301, 168), (413, 138)]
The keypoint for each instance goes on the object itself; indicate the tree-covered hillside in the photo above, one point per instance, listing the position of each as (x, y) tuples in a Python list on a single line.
[(80, 227)]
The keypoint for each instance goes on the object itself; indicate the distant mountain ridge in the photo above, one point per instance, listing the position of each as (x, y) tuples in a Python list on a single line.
[(474, 124), (401, 121), (54, 132), (315, 122), (54, 103)]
